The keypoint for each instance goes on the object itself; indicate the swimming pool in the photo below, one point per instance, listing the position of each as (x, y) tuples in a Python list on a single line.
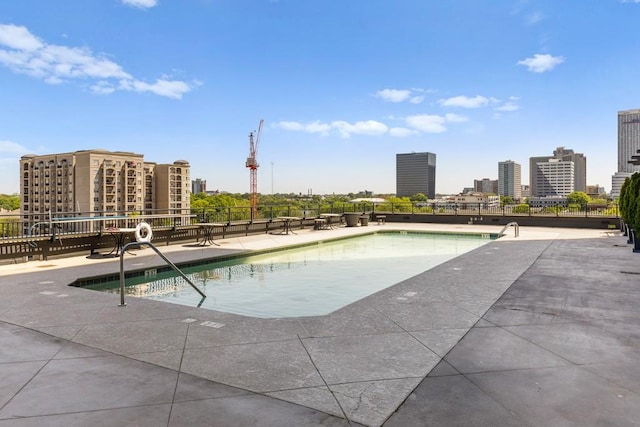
[(308, 281)]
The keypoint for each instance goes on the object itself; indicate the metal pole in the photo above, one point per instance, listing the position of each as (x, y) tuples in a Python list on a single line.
[(172, 265), (122, 303)]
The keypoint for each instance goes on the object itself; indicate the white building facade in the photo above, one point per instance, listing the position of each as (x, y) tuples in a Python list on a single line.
[(510, 179), (555, 177)]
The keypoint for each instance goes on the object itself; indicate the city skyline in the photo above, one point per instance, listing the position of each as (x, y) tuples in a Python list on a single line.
[(342, 88)]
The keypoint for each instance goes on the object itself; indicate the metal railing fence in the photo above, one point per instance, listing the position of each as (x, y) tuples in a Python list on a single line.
[(42, 225)]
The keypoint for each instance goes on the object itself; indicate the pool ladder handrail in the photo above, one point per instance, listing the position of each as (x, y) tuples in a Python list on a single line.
[(515, 226), (172, 265)]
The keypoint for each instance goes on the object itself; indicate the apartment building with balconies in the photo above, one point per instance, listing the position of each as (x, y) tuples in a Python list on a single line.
[(100, 182)]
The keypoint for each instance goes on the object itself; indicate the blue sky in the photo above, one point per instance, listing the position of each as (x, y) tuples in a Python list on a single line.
[(341, 85)]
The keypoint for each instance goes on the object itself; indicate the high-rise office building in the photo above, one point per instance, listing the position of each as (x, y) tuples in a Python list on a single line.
[(616, 182), (101, 182), (416, 173), (510, 179), (628, 139), (199, 186), (628, 145), (485, 185), (542, 185), (555, 178)]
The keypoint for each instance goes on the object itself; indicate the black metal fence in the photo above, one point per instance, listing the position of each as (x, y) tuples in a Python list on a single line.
[(16, 227), (41, 237)]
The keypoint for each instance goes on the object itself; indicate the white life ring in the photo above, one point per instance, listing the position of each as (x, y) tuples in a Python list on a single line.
[(143, 232)]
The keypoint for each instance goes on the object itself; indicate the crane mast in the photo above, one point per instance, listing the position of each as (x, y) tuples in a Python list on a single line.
[(252, 164)]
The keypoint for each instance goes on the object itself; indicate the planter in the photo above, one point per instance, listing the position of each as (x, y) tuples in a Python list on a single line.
[(636, 242), (351, 218), (364, 220)]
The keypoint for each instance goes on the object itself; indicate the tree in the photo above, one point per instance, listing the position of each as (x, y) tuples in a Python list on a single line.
[(578, 198), (630, 201), (506, 200), (622, 199), (598, 201), (9, 203), (397, 203), (419, 197), (633, 202), (521, 208)]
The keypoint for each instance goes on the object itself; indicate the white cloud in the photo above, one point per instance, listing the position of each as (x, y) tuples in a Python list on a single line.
[(141, 4), (508, 106), (313, 127), (18, 38), (393, 95), (341, 127), (287, 125), (455, 118), (24, 53), (11, 148), (414, 95), (534, 17), (415, 124), (466, 102), (102, 88), (10, 153), (169, 88), (369, 127), (540, 63), (426, 123)]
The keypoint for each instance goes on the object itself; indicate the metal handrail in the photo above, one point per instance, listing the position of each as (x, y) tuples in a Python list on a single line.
[(515, 226), (172, 265)]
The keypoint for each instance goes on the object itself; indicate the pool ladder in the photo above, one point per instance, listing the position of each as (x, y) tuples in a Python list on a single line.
[(172, 265), (515, 226)]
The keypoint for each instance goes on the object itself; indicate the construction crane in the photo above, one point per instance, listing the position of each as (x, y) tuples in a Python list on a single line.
[(252, 164)]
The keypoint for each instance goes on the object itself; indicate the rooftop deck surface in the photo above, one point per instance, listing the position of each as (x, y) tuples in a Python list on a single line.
[(542, 329)]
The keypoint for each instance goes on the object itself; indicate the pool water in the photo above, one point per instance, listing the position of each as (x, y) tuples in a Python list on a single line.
[(307, 281)]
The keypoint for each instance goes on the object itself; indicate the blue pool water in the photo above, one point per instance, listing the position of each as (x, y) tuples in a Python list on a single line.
[(307, 281)]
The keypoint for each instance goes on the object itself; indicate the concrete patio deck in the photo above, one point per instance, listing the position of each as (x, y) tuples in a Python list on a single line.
[(543, 329)]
